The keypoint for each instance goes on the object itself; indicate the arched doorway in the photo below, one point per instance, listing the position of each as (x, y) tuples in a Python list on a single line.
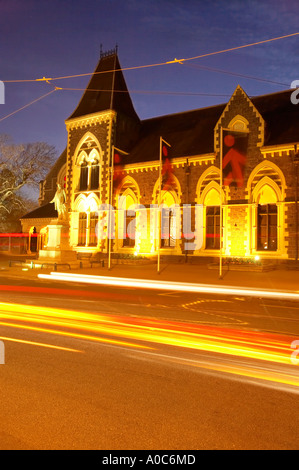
[(33, 236)]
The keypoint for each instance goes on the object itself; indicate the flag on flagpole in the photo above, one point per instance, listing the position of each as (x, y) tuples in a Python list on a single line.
[(165, 180), (166, 166), (234, 157), (116, 176), (117, 168)]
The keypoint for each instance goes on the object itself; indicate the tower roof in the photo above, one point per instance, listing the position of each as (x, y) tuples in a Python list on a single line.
[(107, 89)]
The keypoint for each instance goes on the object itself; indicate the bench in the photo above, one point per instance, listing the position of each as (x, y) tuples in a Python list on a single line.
[(20, 262), (97, 258), (83, 256), (101, 262), (55, 265)]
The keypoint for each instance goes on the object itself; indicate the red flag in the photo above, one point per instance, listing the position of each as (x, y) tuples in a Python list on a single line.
[(234, 157), (167, 169), (117, 170)]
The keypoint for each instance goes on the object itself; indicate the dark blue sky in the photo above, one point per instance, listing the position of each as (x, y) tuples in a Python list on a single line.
[(62, 37)]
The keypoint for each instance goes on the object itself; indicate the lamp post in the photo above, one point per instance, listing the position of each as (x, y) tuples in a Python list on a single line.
[(296, 165)]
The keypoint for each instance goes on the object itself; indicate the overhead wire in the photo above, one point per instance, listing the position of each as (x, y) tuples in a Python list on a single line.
[(235, 74), (174, 61), (147, 92), (28, 104)]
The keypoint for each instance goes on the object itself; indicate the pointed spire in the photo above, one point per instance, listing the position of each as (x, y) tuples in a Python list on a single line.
[(107, 89)]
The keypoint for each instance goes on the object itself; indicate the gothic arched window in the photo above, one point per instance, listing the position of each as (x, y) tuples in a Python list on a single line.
[(83, 184)]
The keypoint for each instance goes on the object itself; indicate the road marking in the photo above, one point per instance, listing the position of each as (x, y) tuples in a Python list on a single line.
[(227, 320), (169, 294)]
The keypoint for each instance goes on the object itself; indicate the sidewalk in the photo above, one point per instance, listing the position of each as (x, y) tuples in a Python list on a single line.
[(279, 279)]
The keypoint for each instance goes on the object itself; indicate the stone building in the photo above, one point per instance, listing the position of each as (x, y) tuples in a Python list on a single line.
[(259, 217)]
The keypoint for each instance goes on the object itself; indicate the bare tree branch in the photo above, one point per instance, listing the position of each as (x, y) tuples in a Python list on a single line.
[(21, 165)]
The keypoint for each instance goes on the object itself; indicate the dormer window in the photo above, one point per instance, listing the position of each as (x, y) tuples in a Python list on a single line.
[(239, 124)]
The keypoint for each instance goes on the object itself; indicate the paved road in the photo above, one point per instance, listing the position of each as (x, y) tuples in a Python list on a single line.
[(264, 314), (117, 378)]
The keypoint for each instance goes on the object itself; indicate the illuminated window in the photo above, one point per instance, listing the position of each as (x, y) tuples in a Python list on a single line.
[(168, 229), (88, 163), (82, 229), (213, 227), (127, 219), (33, 239), (267, 227), (83, 177), (94, 176), (168, 220), (92, 229), (130, 225)]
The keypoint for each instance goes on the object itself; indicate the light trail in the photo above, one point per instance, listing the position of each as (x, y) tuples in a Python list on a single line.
[(146, 334), (71, 335), (50, 291), (92, 327), (43, 345), (165, 285), (245, 371)]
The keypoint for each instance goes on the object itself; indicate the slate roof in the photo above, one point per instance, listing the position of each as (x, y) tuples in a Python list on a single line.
[(281, 117), (189, 133), (42, 212), (104, 81), (55, 169), (192, 132)]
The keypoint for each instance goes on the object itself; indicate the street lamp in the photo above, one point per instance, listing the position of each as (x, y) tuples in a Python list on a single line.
[(296, 165)]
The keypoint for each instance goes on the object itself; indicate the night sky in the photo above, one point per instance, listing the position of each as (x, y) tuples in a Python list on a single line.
[(63, 37)]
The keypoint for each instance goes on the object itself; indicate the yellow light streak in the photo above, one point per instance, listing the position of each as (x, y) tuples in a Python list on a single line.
[(224, 341), (74, 335), (245, 371), (270, 376), (44, 345)]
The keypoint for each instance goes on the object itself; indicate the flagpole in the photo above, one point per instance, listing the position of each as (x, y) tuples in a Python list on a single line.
[(221, 184), (111, 169), (159, 202)]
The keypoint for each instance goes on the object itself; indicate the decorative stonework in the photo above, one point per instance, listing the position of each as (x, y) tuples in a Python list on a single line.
[(89, 120), (240, 106)]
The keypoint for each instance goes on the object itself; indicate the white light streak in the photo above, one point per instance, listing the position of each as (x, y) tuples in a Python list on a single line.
[(166, 285)]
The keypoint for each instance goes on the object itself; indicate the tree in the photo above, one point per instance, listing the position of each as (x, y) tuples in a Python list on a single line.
[(21, 166)]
